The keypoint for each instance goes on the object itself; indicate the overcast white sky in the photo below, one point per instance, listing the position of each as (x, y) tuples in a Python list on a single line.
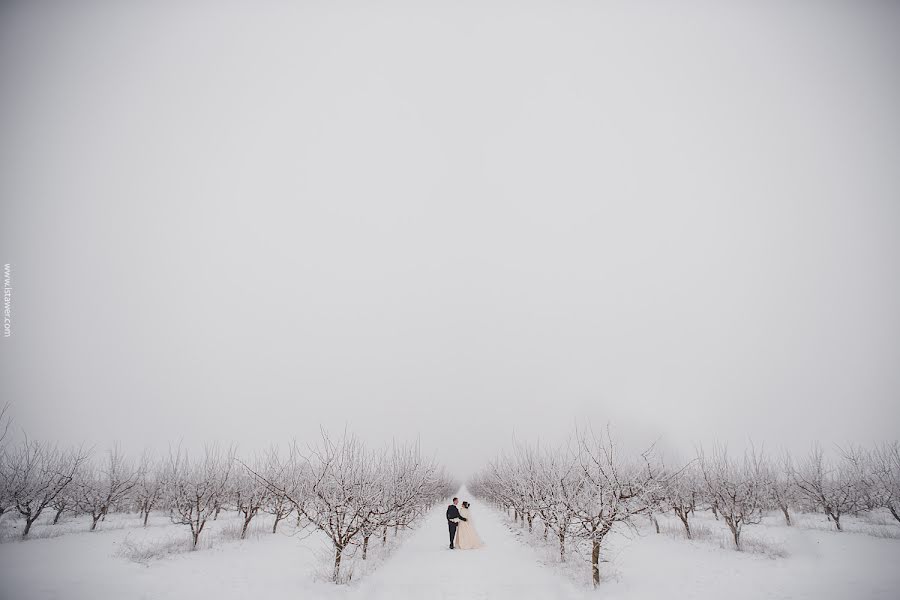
[(455, 220)]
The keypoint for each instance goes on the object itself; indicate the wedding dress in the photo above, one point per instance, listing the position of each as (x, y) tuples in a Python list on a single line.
[(466, 536)]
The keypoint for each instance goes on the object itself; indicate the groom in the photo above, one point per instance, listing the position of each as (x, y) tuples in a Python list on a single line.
[(453, 519)]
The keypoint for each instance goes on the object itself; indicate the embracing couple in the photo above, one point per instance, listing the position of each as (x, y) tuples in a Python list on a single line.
[(462, 531)]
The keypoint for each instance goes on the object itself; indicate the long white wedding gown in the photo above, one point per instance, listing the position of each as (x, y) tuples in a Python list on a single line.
[(466, 536)]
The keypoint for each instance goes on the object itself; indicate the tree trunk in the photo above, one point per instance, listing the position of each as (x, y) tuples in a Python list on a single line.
[(735, 532), (28, 522), (562, 546), (365, 547), (384, 536), (891, 508), (595, 562), (59, 512), (683, 515), (787, 516), (146, 515), (95, 519), (530, 519), (338, 550), (247, 517)]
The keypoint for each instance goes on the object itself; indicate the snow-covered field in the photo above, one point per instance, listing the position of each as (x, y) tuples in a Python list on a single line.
[(75, 564), (123, 561), (809, 560)]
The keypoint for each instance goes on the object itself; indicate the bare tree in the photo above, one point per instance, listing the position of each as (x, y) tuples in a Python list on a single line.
[(278, 497), (836, 487), (885, 464), (409, 486), (102, 486), (5, 423), (150, 486), (348, 492), (6, 497), (7, 500), (782, 487), (737, 488), (560, 485), (615, 488), (679, 492), (250, 494), (66, 501), (343, 492), (579, 491), (196, 488), (38, 473)]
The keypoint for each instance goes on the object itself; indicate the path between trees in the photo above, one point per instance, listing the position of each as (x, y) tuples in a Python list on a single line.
[(425, 568)]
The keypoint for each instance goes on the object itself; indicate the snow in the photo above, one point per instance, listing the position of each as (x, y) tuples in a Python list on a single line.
[(75, 564), (85, 565), (820, 565), (425, 567)]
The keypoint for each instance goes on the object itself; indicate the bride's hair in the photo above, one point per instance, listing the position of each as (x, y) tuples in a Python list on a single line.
[(465, 505)]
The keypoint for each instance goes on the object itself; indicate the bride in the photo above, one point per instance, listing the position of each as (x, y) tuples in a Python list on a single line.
[(466, 536)]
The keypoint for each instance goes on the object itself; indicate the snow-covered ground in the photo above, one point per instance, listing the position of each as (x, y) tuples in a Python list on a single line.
[(424, 567), (86, 565), (807, 561), (67, 562)]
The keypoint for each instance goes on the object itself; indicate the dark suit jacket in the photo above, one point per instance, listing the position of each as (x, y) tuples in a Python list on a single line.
[(453, 513)]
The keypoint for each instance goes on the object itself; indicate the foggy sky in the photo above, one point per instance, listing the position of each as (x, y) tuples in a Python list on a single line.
[(453, 220)]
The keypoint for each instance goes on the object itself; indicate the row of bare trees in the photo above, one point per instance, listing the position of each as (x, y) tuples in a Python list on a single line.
[(36, 477), (350, 493), (579, 490), (741, 489)]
